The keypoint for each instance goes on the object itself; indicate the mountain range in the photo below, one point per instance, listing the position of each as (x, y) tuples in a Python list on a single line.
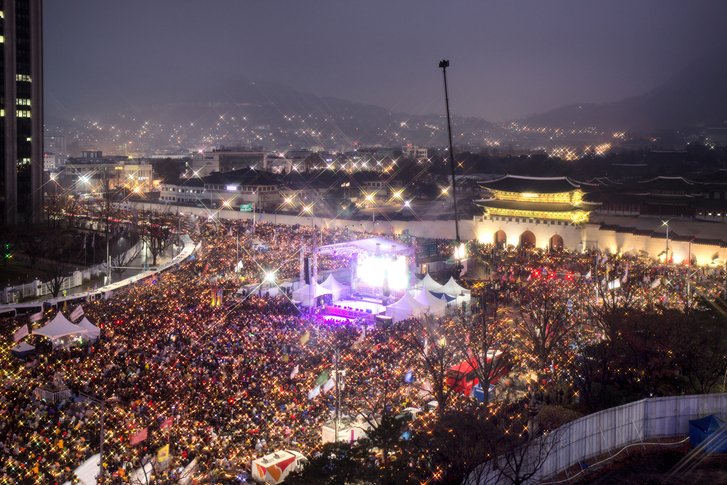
[(272, 115)]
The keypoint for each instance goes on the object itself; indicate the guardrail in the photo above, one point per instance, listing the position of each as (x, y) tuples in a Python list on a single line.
[(188, 249), (605, 432)]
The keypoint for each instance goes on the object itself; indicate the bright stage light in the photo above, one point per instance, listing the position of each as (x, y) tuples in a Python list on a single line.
[(269, 277), (374, 270)]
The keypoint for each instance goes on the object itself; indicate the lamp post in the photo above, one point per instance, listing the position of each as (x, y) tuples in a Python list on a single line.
[(443, 65), (666, 250)]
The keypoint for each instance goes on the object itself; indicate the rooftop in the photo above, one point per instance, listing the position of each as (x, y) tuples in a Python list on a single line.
[(542, 185)]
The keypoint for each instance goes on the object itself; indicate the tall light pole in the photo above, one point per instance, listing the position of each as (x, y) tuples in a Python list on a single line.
[(443, 65), (666, 250)]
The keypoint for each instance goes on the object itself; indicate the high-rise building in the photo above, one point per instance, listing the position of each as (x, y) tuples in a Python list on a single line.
[(21, 111)]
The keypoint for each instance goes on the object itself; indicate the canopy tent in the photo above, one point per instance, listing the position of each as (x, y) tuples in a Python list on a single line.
[(431, 285), (22, 350), (337, 289), (709, 432), (93, 331), (88, 471), (452, 288), (436, 305), (406, 307), (307, 294), (273, 468), (60, 327)]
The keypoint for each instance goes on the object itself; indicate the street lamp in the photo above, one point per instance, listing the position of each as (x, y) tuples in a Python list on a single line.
[(666, 250), (443, 65)]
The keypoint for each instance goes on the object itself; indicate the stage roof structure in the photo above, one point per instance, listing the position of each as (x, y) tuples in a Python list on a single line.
[(372, 245)]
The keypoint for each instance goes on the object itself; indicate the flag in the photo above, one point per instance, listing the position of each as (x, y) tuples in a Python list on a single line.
[(167, 423), (295, 371), (626, 275), (322, 378), (313, 393), (409, 377), (304, 338), (21, 333), (588, 275), (35, 317), (329, 384), (77, 313), (655, 283), (614, 285), (139, 436), (163, 453)]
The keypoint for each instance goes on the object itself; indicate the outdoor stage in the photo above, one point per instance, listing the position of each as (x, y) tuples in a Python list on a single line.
[(354, 309)]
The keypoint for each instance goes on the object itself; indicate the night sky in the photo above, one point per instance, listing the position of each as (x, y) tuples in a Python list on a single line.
[(509, 58)]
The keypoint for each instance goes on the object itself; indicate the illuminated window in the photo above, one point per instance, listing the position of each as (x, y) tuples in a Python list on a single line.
[(2, 112), (2, 39), (22, 77), (23, 102), (23, 113), (2, 14)]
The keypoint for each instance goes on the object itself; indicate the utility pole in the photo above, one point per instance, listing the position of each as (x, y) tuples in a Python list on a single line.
[(443, 65), (108, 216)]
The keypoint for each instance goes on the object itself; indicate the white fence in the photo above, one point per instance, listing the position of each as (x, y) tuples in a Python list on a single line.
[(36, 288), (605, 432)]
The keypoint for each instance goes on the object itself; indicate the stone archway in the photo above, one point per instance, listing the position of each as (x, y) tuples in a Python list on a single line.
[(527, 240), (556, 243), (500, 239)]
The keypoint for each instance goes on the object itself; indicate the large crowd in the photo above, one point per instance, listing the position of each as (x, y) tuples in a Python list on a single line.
[(225, 379)]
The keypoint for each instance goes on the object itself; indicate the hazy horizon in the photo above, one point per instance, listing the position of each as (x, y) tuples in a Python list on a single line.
[(380, 53)]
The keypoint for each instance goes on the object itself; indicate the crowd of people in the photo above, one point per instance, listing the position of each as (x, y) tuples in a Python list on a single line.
[(224, 380), (183, 362)]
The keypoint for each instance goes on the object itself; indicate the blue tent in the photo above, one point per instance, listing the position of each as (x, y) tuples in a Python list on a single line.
[(709, 432)]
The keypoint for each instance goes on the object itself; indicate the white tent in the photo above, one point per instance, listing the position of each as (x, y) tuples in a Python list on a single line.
[(307, 294), (436, 306), (337, 289), (452, 288), (59, 328), (88, 471), (22, 349), (406, 307), (431, 285), (93, 331)]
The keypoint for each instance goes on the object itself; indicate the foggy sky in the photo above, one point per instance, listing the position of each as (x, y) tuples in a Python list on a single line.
[(508, 58)]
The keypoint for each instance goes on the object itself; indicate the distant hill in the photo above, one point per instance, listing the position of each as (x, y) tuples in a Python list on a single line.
[(695, 97), (263, 114)]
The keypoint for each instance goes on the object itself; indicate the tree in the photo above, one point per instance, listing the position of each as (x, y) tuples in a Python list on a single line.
[(157, 236), (125, 251), (520, 453), (545, 321), (486, 343), (432, 351)]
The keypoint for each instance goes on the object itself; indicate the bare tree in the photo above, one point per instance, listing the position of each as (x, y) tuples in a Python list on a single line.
[(58, 275), (126, 250), (521, 454), (486, 343), (157, 238), (433, 352), (545, 321)]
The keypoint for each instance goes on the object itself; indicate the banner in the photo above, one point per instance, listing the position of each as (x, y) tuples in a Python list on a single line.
[(167, 423), (163, 453), (20, 333), (295, 371), (246, 207), (139, 436), (77, 313)]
